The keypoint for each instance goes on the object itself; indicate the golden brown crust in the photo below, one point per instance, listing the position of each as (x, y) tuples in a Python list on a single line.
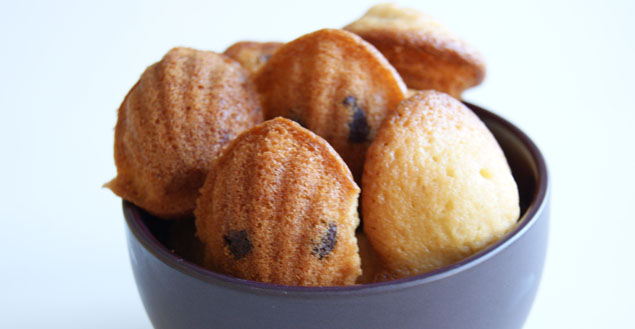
[(335, 84), (426, 54), (437, 187), (173, 124), (370, 263), (280, 206), (252, 55)]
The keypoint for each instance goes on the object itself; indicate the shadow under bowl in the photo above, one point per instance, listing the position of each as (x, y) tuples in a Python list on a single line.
[(492, 289)]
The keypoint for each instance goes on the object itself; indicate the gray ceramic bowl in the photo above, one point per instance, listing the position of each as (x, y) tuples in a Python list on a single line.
[(493, 289)]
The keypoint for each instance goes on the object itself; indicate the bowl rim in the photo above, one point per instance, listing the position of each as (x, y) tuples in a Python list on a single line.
[(133, 217)]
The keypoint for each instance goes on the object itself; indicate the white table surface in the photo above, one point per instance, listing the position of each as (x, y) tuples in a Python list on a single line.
[(562, 71)]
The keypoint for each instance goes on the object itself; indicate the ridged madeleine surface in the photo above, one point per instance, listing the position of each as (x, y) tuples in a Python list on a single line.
[(426, 54), (252, 55), (437, 187), (174, 123), (336, 85), (280, 206)]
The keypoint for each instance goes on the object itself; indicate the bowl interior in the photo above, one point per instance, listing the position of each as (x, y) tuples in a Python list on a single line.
[(176, 244)]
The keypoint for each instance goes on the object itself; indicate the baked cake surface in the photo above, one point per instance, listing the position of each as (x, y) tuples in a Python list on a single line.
[(252, 55), (336, 85), (426, 53), (280, 206), (174, 122), (437, 187)]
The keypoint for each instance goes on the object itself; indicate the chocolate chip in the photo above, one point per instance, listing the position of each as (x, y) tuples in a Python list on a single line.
[(238, 243), (349, 101), (327, 242), (358, 127)]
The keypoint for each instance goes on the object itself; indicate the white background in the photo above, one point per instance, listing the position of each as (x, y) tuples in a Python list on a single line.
[(562, 71)]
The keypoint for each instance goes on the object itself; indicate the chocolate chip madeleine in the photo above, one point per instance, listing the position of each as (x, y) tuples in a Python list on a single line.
[(437, 187), (336, 85), (252, 55), (174, 123), (426, 54), (280, 206)]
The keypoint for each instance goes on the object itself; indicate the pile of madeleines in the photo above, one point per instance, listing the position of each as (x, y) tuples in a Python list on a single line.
[(266, 146)]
